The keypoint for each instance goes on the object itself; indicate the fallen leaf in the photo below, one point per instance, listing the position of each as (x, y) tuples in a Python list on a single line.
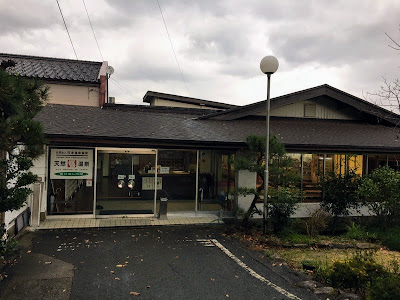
[(119, 266), (141, 259), (212, 279), (127, 262), (273, 265), (227, 296), (64, 290), (47, 262), (134, 293), (74, 238), (29, 251), (148, 286), (112, 272), (116, 278)]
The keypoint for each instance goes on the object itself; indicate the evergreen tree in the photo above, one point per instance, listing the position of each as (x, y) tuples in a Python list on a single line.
[(21, 138), (283, 177)]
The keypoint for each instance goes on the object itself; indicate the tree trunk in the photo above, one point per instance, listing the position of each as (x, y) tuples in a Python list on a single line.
[(247, 216), (3, 156)]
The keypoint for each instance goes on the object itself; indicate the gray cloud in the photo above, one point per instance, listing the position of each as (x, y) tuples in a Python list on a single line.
[(218, 43)]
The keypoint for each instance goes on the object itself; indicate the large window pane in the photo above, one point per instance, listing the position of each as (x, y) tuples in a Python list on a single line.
[(216, 180), (177, 168)]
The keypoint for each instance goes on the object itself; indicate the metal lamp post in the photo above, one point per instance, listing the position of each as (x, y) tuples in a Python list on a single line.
[(268, 65)]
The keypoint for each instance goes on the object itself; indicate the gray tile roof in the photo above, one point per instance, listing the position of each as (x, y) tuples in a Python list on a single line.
[(167, 126), (48, 68)]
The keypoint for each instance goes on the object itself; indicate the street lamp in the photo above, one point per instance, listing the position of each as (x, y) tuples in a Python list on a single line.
[(268, 65)]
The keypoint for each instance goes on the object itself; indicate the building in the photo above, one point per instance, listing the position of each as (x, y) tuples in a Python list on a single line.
[(109, 159)]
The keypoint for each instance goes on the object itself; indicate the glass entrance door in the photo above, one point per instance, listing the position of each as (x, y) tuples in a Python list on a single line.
[(216, 180), (125, 182)]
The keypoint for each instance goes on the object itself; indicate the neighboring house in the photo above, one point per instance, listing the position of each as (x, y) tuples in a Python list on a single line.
[(71, 82), (119, 160)]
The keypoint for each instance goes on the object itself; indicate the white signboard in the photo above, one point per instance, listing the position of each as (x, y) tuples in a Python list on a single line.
[(164, 170), (148, 183), (71, 164)]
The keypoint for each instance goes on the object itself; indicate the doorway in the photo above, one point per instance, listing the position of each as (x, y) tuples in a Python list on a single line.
[(125, 182)]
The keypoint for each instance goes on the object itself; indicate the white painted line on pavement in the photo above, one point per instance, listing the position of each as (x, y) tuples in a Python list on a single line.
[(252, 272)]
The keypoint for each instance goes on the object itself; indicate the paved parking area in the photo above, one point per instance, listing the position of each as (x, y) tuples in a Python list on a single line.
[(179, 262)]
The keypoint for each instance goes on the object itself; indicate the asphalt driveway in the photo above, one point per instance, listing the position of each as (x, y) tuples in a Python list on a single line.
[(182, 262)]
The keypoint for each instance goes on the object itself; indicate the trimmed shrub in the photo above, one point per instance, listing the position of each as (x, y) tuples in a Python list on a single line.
[(282, 204)]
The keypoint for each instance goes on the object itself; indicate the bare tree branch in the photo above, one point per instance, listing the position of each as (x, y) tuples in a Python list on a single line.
[(397, 45)]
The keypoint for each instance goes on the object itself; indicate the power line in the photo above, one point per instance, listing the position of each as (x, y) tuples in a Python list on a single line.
[(59, 7), (123, 88), (173, 50), (90, 22)]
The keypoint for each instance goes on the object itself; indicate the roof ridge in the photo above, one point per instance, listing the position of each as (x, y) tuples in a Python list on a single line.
[(48, 58), (258, 102), (186, 99), (323, 86)]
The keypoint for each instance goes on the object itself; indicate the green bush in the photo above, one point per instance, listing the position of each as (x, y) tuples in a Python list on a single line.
[(389, 237), (358, 232), (357, 273), (7, 245), (340, 193), (385, 288), (281, 205), (380, 192)]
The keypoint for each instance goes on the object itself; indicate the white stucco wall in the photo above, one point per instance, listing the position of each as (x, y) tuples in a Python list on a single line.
[(40, 169), (73, 94), (247, 179)]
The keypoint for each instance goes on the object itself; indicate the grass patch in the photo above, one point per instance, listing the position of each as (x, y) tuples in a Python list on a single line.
[(325, 258), (296, 238)]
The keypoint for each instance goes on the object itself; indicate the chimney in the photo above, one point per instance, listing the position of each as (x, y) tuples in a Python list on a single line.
[(103, 92)]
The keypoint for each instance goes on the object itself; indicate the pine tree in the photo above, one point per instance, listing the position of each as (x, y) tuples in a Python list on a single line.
[(283, 178), (22, 138)]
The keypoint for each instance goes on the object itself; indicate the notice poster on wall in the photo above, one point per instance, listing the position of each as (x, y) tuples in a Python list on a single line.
[(71, 164), (148, 183)]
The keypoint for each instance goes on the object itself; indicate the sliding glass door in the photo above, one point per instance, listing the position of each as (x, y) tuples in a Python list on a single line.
[(125, 182)]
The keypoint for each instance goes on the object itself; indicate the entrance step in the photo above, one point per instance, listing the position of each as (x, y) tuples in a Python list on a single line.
[(126, 222)]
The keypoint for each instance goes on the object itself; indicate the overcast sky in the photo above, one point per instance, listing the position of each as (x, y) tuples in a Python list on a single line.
[(219, 44)]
